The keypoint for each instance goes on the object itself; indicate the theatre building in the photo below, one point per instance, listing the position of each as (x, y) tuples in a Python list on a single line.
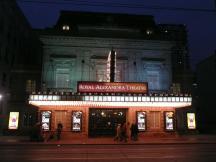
[(102, 69), (99, 106)]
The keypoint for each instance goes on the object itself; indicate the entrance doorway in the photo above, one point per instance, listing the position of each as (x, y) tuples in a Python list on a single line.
[(60, 116), (154, 120), (103, 122)]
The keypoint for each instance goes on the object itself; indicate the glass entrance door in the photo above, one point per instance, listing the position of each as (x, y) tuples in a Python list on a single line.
[(103, 122)]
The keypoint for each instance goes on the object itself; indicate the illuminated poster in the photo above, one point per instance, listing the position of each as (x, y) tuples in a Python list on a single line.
[(191, 122), (169, 120), (76, 121), (13, 120), (45, 120), (141, 120)]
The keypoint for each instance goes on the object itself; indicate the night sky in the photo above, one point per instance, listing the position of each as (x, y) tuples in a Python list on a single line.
[(198, 15)]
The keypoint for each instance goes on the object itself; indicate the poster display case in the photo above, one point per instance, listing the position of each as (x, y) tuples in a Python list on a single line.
[(191, 121), (13, 120), (76, 121), (169, 121), (46, 120), (141, 120)]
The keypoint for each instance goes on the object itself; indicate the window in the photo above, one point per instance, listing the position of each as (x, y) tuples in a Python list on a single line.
[(153, 80), (102, 72), (101, 75), (176, 88), (149, 32), (62, 78), (30, 86), (120, 71), (66, 27)]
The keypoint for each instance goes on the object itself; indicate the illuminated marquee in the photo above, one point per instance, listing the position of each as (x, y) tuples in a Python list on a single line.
[(112, 87)]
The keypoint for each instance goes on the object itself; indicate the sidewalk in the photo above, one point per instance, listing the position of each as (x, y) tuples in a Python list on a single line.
[(184, 139)]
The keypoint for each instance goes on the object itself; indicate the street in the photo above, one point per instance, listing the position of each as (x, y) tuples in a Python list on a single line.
[(92, 153)]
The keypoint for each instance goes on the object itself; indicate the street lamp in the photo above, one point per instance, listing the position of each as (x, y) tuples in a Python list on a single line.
[(0, 96)]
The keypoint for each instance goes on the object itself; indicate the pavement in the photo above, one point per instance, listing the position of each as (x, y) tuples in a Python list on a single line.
[(179, 139)]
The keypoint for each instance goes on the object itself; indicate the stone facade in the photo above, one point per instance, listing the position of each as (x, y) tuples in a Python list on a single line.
[(82, 58)]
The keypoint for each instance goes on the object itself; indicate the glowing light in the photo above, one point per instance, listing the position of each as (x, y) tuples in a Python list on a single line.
[(13, 120), (191, 121), (110, 104), (108, 66), (112, 101), (65, 27)]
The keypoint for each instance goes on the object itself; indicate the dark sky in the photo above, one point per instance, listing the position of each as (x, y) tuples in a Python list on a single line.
[(201, 22)]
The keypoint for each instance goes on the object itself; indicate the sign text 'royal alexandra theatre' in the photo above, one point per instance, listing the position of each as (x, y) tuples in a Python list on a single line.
[(112, 87)]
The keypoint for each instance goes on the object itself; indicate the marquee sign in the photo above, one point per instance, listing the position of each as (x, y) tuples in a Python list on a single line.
[(112, 87)]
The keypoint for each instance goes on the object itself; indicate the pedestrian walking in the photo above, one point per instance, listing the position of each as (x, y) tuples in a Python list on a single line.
[(59, 130), (124, 132), (118, 133), (134, 131), (36, 133)]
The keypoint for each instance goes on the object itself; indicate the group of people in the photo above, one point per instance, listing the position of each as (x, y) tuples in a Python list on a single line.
[(122, 132), (38, 134)]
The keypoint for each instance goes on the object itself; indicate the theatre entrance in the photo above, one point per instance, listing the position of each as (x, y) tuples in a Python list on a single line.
[(103, 122)]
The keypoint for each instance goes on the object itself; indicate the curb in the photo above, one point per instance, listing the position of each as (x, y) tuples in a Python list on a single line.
[(67, 144)]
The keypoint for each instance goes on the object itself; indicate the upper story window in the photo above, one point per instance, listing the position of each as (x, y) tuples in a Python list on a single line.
[(30, 86), (66, 27), (102, 73), (149, 32), (153, 79), (62, 78)]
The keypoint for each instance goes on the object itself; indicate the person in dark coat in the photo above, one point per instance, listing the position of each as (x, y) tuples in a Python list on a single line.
[(134, 131), (59, 130), (124, 132), (118, 133), (36, 133)]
